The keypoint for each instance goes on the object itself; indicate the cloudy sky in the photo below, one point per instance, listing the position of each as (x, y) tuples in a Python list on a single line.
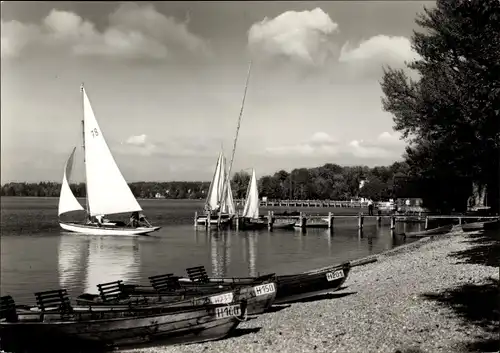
[(166, 81)]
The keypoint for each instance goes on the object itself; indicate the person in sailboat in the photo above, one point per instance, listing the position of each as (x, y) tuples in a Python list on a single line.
[(134, 219)]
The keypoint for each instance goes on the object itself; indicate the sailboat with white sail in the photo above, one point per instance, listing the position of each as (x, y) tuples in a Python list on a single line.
[(216, 202), (107, 190), (250, 217)]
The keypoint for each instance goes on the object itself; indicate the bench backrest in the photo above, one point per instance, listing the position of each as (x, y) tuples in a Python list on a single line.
[(198, 274), (53, 298), (111, 291), (8, 308), (166, 282)]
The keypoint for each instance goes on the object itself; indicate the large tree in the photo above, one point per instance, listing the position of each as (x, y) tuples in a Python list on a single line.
[(450, 115)]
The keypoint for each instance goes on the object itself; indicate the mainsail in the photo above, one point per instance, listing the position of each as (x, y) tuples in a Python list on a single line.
[(251, 209), (215, 191), (68, 201), (108, 192), (215, 197)]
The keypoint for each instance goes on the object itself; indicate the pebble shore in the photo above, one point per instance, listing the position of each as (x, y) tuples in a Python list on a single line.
[(381, 308)]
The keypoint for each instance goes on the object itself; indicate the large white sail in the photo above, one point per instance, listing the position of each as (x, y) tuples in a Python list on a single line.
[(68, 201), (215, 190), (251, 209), (108, 192)]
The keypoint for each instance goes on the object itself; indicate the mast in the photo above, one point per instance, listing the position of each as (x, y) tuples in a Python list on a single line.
[(83, 147), (224, 189)]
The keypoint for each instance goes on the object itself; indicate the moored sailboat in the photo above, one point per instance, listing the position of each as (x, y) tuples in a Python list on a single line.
[(107, 190), (217, 203), (249, 218)]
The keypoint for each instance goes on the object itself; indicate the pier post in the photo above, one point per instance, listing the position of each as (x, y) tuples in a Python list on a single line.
[(237, 221), (330, 220), (426, 222), (196, 220), (270, 220), (360, 220), (207, 221), (379, 217), (459, 221), (393, 222)]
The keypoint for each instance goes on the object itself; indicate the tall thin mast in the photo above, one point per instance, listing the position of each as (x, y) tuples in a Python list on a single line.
[(224, 190), (83, 146)]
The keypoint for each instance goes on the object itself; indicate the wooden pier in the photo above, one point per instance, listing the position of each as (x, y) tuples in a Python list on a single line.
[(304, 221)]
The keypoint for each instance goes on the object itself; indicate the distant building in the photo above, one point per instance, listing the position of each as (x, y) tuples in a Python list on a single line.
[(158, 195)]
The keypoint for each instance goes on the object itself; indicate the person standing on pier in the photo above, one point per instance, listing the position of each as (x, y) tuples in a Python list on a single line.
[(370, 207)]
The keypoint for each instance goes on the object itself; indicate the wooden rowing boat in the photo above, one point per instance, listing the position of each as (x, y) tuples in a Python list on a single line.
[(470, 227), (57, 325), (167, 290), (428, 232), (292, 287)]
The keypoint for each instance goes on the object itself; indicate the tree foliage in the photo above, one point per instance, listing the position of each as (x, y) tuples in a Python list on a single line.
[(451, 114), (330, 181)]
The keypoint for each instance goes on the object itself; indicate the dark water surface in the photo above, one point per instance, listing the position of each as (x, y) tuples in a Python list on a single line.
[(37, 255)]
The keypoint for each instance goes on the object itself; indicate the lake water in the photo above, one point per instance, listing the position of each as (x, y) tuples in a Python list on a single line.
[(37, 255)]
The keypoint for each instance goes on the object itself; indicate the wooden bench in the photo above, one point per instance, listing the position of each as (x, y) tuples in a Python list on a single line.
[(111, 291), (8, 309), (165, 283), (54, 300), (198, 274)]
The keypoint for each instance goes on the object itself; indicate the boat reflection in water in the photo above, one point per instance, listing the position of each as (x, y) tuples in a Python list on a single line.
[(85, 261), (220, 244), (72, 260), (111, 259)]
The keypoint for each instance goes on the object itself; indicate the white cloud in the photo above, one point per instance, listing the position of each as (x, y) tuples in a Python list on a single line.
[(134, 31), (302, 36), (139, 140), (386, 145), (319, 143), (378, 50)]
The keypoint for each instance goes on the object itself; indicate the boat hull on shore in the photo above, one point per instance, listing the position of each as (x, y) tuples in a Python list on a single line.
[(310, 284), (112, 328), (298, 286), (470, 227), (259, 295), (106, 230), (426, 233)]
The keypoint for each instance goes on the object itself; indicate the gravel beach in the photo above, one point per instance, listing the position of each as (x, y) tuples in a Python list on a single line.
[(435, 295)]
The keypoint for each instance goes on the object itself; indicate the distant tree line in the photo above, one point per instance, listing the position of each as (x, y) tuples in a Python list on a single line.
[(330, 181)]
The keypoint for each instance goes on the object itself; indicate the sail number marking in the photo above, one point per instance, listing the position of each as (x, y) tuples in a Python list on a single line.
[(94, 132)]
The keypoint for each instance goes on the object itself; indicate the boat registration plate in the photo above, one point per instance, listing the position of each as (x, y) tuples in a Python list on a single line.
[(264, 289), (227, 311), (332, 276), (225, 298)]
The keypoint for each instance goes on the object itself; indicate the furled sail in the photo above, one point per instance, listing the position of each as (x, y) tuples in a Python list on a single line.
[(251, 209), (108, 192), (68, 201)]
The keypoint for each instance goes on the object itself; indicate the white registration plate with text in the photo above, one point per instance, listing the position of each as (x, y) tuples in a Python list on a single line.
[(225, 298), (227, 311), (264, 289), (332, 276)]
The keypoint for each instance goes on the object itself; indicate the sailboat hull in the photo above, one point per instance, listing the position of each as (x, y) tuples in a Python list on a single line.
[(94, 230)]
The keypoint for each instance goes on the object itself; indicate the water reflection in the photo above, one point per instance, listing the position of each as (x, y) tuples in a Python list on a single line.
[(111, 259), (252, 254), (72, 258), (220, 243)]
